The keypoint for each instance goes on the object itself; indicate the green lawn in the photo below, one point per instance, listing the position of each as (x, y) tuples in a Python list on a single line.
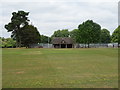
[(60, 68)]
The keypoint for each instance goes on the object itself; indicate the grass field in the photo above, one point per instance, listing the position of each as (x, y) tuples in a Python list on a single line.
[(60, 68)]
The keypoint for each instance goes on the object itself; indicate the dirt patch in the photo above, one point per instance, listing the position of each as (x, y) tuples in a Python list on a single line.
[(33, 53), (20, 72), (60, 68)]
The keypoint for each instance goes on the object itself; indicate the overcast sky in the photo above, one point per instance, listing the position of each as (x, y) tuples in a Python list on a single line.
[(52, 15)]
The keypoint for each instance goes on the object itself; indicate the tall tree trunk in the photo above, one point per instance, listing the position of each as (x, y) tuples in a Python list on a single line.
[(19, 36), (88, 45), (20, 42), (17, 42)]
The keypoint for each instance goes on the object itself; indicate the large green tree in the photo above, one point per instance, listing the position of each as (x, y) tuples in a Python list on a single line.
[(105, 36), (19, 19), (30, 35), (89, 32), (61, 33), (116, 35)]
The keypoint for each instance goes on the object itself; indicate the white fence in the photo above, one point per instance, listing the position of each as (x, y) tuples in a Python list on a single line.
[(46, 45), (98, 45)]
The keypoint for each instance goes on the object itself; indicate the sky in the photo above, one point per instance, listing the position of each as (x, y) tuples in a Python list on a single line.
[(52, 15)]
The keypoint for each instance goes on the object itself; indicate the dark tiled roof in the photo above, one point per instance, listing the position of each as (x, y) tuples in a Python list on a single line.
[(62, 40)]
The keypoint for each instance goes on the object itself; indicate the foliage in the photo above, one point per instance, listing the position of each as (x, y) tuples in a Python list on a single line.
[(19, 19), (45, 39), (74, 34), (89, 32), (116, 35), (105, 36), (61, 33), (7, 42), (30, 35)]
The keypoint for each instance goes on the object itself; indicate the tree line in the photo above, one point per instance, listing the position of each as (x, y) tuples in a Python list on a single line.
[(25, 34)]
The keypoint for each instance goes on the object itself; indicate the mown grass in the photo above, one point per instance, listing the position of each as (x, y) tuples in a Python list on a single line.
[(60, 68)]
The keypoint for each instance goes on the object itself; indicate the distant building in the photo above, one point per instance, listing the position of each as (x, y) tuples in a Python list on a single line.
[(62, 42)]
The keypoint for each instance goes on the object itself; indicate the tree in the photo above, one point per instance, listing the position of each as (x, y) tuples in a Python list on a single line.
[(105, 36), (61, 33), (30, 35), (89, 32), (116, 35), (74, 34), (19, 19), (45, 39), (7, 42), (10, 43)]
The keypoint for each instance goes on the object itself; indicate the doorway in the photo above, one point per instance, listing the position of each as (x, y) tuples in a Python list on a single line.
[(63, 45), (69, 45)]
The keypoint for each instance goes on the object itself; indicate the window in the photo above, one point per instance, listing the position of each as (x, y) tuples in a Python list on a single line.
[(63, 41)]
